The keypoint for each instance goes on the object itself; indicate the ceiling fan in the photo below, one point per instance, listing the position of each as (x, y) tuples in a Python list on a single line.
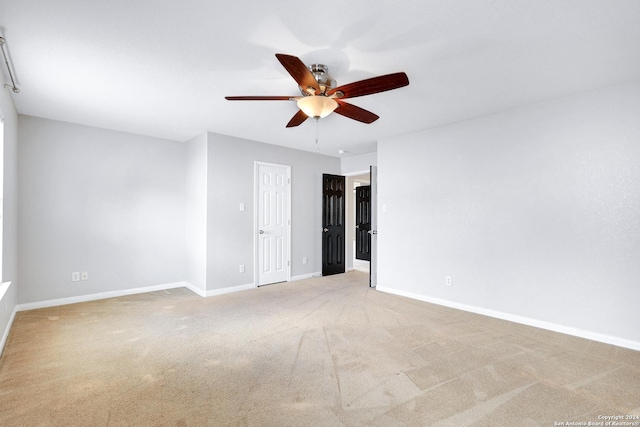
[(320, 96)]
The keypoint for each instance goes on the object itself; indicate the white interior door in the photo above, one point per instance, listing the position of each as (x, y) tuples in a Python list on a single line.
[(272, 223)]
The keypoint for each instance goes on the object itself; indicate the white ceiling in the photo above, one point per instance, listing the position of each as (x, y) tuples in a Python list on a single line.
[(162, 68)]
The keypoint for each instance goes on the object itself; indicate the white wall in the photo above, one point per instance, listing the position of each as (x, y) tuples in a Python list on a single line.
[(10, 213), (231, 182), (138, 212), (196, 213), (109, 203), (351, 165), (534, 212)]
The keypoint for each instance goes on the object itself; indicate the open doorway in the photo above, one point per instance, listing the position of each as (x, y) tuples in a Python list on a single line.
[(350, 258), (355, 262)]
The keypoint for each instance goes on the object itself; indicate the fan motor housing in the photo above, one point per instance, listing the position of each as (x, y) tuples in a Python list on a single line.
[(321, 74)]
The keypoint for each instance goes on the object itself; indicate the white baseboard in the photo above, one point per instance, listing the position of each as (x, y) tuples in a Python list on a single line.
[(195, 290), (114, 294), (102, 295), (248, 286), (5, 335), (4, 288), (306, 276), (238, 288), (594, 336), (230, 289)]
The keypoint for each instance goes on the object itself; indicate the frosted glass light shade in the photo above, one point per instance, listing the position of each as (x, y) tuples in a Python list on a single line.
[(317, 106)]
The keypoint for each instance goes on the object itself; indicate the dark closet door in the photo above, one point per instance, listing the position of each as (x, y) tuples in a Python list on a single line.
[(363, 222), (333, 231)]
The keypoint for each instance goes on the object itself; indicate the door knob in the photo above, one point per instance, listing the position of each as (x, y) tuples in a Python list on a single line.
[(357, 225), (325, 230), (261, 231), (372, 231)]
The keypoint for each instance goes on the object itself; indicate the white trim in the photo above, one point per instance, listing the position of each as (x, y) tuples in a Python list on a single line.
[(195, 290), (306, 276), (102, 295), (4, 287), (115, 294), (221, 291), (230, 289), (594, 336), (350, 174), (5, 335)]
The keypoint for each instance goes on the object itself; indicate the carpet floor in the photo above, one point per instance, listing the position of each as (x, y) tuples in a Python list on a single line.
[(319, 352)]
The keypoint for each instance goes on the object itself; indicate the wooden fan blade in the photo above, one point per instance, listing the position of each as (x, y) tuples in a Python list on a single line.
[(298, 119), (372, 85), (355, 113), (259, 98), (298, 71)]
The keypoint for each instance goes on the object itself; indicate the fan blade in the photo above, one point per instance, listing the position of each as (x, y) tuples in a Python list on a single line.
[(355, 113), (298, 119), (372, 85), (298, 71), (259, 98)]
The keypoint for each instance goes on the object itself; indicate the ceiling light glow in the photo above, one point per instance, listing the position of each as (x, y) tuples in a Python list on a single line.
[(317, 106)]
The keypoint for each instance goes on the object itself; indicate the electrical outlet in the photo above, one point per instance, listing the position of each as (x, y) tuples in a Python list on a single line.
[(448, 279), (75, 277), (241, 268), (305, 259), (84, 275)]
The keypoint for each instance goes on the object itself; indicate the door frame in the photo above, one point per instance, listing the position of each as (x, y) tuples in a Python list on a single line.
[(373, 273), (373, 262), (256, 227)]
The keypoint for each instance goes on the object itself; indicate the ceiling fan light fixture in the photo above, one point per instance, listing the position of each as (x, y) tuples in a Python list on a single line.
[(317, 106), (320, 96)]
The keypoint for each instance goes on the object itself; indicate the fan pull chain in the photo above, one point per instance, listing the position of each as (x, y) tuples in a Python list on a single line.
[(317, 135)]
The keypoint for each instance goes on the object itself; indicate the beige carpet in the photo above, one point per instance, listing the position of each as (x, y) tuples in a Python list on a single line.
[(319, 352)]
